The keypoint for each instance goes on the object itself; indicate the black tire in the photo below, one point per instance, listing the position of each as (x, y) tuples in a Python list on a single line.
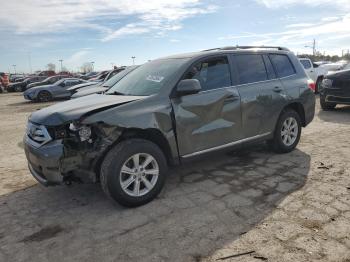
[(44, 96), (326, 105), (277, 143), (18, 89), (114, 161), (318, 84)]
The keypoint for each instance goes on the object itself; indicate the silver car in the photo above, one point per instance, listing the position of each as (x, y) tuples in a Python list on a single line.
[(57, 90)]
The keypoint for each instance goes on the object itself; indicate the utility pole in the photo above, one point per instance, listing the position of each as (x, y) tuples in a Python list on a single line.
[(61, 63), (133, 60), (313, 47), (14, 68), (92, 65)]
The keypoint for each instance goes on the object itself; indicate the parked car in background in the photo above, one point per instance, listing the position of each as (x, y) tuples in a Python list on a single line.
[(167, 111), (21, 86), (332, 66), (85, 84), (57, 90), (47, 81), (103, 87), (335, 89), (88, 75), (16, 77), (99, 77), (314, 71), (4, 81), (47, 73)]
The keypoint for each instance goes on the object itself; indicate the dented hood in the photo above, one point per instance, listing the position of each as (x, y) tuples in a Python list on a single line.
[(71, 110)]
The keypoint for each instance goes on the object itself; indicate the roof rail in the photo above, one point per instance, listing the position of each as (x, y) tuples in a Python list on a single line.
[(237, 47)]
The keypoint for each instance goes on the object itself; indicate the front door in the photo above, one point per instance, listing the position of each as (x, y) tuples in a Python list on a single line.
[(212, 117)]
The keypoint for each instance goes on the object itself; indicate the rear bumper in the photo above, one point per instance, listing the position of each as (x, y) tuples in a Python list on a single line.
[(43, 162)]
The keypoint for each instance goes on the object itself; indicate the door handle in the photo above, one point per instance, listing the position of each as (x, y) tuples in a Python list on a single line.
[(231, 98), (277, 89)]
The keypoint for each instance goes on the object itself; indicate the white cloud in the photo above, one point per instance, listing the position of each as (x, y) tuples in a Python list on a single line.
[(77, 58), (341, 4), (37, 16)]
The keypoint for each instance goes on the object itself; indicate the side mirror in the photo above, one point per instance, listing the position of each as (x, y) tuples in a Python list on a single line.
[(188, 87), (62, 84)]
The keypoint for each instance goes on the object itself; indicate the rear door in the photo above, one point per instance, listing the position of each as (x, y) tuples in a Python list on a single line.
[(211, 118), (259, 91)]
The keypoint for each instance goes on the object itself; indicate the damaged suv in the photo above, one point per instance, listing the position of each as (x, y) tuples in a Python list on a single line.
[(167, 111)]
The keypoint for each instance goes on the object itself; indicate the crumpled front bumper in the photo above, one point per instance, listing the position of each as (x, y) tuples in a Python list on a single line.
[(44, 161)]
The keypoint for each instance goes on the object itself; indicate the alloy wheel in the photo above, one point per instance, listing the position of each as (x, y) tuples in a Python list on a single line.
[(289, 132), (139, 174)]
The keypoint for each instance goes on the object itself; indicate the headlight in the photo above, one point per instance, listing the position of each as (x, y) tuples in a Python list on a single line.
[(327, 83), (83, 131)]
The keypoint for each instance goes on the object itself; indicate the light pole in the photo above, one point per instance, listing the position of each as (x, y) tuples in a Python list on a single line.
[(14, 68), (61, 63), (133, 60), (92, 65), (313, 47)]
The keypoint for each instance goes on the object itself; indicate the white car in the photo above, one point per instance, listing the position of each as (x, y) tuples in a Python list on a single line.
[(314, 71)]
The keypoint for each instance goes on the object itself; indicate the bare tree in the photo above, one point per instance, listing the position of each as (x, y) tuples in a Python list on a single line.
[(51, 67), (86, 68)]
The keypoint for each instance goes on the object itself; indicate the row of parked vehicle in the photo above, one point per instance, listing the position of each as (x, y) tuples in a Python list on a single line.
[(332, 81)]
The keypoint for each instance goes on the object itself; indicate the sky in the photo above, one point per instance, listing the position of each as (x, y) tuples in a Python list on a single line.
[(34, 33)]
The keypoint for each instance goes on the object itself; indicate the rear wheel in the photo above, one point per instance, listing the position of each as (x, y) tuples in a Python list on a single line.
[(44, 96), (133, 172), (326, 105), (18, 89), (287, 132)]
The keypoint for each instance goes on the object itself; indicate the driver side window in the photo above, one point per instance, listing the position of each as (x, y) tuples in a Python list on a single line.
[(212, 73)]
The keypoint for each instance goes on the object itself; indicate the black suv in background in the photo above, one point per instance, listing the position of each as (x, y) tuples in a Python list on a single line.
[(167, 111)]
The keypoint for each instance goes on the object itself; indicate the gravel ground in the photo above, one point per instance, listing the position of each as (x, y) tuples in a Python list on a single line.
[(247, 205)]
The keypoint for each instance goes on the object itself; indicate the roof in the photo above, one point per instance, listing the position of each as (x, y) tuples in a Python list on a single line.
[(226, 49)]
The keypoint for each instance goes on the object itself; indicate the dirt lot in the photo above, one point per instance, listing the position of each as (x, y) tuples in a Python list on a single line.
[(292, 207)]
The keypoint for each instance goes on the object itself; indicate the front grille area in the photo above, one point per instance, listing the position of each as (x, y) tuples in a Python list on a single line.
[(37, 134)]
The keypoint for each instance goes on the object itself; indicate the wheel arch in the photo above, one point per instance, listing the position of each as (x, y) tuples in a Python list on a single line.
[(297, 107)]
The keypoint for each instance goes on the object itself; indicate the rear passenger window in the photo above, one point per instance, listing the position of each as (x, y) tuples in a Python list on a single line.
[(212, 73), (251, 68), (269, 68), (283, 65)]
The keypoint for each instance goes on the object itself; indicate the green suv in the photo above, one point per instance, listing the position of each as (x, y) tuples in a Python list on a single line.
[(167, 111)]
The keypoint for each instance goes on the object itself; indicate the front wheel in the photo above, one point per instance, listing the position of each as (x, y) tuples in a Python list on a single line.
[(287, 132), (133, 172), (18, 89)]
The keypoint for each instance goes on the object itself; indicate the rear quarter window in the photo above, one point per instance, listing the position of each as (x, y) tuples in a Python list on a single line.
[(282, 64)]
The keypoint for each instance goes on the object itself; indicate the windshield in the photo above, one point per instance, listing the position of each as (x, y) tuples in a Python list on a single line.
[(147, 79), (59, 82), (115, 79)]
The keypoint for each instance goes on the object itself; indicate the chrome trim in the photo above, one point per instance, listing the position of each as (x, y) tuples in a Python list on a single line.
[(226, 145)]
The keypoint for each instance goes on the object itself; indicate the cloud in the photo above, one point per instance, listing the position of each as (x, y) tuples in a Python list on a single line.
[(37, 16), (275, 4)]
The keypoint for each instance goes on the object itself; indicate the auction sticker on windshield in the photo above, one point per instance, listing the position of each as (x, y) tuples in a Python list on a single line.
[(157, 79)]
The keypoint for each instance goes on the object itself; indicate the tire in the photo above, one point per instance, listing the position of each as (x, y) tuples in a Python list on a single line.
[(318, 84), (326, 105), (278, 143), (44, 96), (18, 89), (122, 156)]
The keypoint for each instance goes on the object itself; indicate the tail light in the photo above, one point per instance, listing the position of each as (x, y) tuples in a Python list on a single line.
[(311, 84)]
